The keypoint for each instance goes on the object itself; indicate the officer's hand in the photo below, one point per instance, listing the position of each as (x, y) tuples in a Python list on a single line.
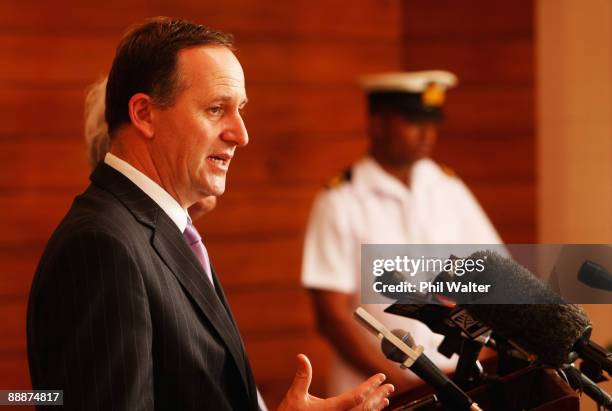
[(368, 396)]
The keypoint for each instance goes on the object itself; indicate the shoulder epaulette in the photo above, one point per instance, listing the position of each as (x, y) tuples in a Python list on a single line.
[(448, 171), (338, 179)]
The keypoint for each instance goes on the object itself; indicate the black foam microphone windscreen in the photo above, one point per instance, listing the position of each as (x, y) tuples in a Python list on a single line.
[(539, 321), (511, 283)]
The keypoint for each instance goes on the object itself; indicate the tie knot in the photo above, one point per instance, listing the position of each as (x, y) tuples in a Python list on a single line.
[(191, 234)]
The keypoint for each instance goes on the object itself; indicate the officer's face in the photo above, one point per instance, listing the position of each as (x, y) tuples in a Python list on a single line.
[(399, 142)]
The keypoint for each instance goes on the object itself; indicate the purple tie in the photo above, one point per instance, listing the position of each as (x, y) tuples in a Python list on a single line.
[(195, 242)]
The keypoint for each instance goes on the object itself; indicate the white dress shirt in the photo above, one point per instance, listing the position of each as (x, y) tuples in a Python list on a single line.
[(161, 197)]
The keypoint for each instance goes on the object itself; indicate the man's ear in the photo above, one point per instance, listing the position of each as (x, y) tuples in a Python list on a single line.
[(140, 109)]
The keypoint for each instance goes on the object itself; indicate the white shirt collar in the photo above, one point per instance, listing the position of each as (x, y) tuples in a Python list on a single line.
[(164, 200), (371, 176)]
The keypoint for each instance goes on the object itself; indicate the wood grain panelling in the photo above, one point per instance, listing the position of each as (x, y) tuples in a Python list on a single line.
[(40, 111), (369, 19), (504, 159), (52, 59), (474, 20), (489, 138), (18, 263), (490, 111), (489, 62), (13, 338), (305, 120), (28, 218), (15, 374), (34, 165)]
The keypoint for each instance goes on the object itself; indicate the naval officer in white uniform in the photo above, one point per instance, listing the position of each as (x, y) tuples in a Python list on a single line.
[(394, 195)]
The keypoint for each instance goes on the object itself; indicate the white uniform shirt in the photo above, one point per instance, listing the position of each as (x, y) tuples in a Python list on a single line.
[(373, 207)]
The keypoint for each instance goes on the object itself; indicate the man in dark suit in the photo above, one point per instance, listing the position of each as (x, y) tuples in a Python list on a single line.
[(125, 311)]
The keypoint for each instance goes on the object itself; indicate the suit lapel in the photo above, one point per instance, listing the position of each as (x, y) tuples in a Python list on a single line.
[(177, 255), (221, 294), (169, 243)]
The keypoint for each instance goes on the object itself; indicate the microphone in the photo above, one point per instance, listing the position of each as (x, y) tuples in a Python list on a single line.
[(448, 391), (579, 381), (552, 329), (441, 316), (595, 276), (399, 346), (463, 335)]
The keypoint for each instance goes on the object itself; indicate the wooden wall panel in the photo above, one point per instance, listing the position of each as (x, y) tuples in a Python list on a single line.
[(494, 62), (489, 138), (15, 373), (13, 340), (367, 19), (470, 20), (494, 158), (52, 59), (305, 120)]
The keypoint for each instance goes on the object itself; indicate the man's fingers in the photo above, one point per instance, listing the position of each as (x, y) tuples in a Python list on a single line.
[(366, 388), (377, 400), (303, 377), (358, 395)]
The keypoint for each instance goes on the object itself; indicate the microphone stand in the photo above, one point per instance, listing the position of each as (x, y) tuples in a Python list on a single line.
[(579, 381), (469, 372)]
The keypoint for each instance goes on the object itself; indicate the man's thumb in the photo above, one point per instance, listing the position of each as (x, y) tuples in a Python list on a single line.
[(303, 377)]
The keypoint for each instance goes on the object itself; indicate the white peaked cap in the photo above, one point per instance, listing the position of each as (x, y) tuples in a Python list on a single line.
[(407, 81)]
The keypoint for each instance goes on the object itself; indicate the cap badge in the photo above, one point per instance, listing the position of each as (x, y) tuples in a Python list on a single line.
[(433, 95)]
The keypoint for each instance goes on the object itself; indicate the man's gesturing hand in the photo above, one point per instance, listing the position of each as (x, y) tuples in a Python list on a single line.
[(368, 396)]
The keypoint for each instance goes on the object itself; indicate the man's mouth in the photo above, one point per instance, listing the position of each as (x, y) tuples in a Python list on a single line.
[(220, 160)]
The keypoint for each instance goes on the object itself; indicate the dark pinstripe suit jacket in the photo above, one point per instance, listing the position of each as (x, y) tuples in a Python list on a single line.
[(122, 317)]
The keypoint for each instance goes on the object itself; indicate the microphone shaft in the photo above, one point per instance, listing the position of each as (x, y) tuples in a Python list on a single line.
[(595, 353), (591, 389), (448, 391)]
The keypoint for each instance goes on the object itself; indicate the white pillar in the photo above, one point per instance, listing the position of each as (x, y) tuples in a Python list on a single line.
[(574, 120), (574, 125)]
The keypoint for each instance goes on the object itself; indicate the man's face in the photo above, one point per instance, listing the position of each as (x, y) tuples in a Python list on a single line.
[(399, 142), (196, 138)]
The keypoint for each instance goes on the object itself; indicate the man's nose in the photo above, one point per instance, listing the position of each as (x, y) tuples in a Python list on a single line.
[(236, 131), (428, 133)]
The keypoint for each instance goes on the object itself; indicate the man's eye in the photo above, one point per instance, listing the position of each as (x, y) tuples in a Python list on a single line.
[(241, 111), (215, 110)]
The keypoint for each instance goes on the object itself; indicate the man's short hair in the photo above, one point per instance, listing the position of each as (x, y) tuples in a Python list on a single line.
[(146, 62)]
